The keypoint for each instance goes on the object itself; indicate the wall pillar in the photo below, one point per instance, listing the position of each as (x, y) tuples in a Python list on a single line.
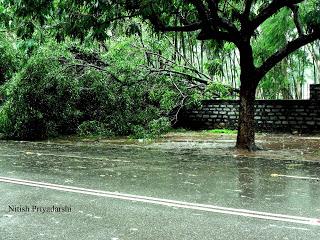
[(315, 92)]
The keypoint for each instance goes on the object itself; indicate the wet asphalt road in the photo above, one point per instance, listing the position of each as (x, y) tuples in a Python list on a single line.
[(195, 175)]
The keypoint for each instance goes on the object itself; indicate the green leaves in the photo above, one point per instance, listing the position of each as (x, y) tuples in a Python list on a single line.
[(9, 58), (311, 15)]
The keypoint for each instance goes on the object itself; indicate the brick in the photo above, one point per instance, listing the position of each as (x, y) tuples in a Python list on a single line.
[(310, 122), (278, 106)]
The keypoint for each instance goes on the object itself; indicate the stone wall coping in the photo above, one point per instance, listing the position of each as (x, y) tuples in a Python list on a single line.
[(271, 102)]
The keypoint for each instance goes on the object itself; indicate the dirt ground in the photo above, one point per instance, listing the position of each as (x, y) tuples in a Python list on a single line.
[(279, 146)]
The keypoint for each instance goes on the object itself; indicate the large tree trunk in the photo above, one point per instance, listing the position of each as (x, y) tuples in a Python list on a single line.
[(249, 82), (246, 130)]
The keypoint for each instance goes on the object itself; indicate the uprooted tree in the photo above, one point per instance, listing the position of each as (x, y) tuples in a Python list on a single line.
[(235, 21)]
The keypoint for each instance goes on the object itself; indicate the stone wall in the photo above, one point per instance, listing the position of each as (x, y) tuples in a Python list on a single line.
[(270, 115)]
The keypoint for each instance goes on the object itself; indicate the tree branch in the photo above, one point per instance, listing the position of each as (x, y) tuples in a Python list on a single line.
[(213, 7), (269, 10), (187, 76), (217, 35), (219, 21), (213, 22), (295, 10), (225, 24), (247, 8), (205, 34), (201, 9), (180, 105), (186, 28), (160, 26), (208, 25), (191, 68), (285, 51)]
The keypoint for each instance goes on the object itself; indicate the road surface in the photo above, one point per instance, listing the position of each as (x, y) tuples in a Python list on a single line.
[(138, 192)]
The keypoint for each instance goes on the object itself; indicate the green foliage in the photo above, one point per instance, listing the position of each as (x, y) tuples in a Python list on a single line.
[(70, 89), (214, 66), (154, 129), (94, 128), (273, 35), (159, 126), (224, 131), (311, 15), (41, 99), (9, 61), (215, 89), (277, 83), (129, 81)]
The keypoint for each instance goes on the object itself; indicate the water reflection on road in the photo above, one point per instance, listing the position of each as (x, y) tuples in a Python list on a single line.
[(195, 174)]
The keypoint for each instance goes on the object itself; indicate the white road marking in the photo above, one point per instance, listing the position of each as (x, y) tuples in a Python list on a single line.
[(296, 177), (167, 202), (288, 227)]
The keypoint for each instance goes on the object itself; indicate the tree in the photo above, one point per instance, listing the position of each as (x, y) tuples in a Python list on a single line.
[(237, 21)]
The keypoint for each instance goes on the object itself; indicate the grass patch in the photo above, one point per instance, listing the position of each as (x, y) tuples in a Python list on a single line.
[(225, 131)]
